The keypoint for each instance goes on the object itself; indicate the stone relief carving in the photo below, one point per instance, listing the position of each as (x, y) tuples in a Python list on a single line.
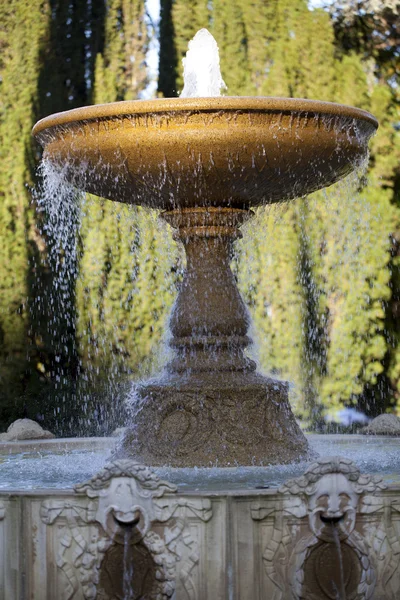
[(2, 511), (329, 495), (127, 520), (384, 540)]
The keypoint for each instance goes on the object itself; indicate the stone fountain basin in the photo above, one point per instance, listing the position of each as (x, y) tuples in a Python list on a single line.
[(227, 151), (225, 533), (62, 463)]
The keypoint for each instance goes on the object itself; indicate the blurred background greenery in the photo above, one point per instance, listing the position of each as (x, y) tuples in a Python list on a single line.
[(321, 276)]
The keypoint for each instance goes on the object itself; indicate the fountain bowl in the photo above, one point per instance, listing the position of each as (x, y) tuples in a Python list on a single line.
[(236, 152)]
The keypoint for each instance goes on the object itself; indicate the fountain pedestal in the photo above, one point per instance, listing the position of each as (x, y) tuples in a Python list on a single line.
[(210, 407)]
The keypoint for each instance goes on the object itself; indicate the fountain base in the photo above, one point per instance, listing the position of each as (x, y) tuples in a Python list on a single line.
[(211, 408), (331, 532), (214, 419)]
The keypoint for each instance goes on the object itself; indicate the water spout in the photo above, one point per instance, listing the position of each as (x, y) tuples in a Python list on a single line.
[(201, 70), (128, 591), (341, 592)]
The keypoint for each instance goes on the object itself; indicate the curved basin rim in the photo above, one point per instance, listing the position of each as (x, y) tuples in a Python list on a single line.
[(225, 103)]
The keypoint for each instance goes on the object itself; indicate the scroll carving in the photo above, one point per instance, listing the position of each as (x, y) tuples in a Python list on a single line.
[(127, 509), (316, 516)]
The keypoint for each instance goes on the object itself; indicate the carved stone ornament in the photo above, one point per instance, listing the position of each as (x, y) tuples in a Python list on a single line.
[(332, 557), (127, 541)]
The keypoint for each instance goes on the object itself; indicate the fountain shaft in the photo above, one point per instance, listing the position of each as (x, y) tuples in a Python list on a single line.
[(211, 407), (209, 321)]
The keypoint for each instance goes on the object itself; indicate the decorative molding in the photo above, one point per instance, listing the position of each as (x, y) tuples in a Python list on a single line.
[(180, 540), (384, 540), (125, 506), (330, 494)]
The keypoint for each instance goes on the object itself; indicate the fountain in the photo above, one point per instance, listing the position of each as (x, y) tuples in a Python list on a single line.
[(296, 531), (205, 163)]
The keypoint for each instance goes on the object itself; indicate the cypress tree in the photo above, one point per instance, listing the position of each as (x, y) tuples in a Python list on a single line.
[(24, 27), (230, 33), (300, 334), (65, 81), (259, 31), (122, 294), (267, 272), (168, 60), (74, 37), (47, 67), (339, 241), (314, 322), (121, 72), (370, 34), (344, 347)]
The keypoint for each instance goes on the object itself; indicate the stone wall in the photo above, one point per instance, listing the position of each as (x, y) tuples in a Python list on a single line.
[(125, 534)]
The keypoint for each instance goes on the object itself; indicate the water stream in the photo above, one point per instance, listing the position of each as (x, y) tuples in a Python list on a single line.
[(341, 592), (127, 583)]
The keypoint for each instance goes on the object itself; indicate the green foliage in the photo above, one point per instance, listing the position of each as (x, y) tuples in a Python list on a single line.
[(259, 35), (125, 287), (301, 63), (229, 30), (350, 257), (267, 271), (339, 353), (124, 291), (324, 283), (73, 37), (121, 72), (44, 67), (23, 29)]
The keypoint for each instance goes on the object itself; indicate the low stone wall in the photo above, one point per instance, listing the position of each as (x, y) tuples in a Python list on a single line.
[(126, 534)]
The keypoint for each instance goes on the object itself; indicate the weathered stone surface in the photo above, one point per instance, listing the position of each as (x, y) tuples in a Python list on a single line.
[(276, 544), (322, 536), (383, 425), (126, 534), (11, 584), (211, 407), (25, 429), (225, 421)]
